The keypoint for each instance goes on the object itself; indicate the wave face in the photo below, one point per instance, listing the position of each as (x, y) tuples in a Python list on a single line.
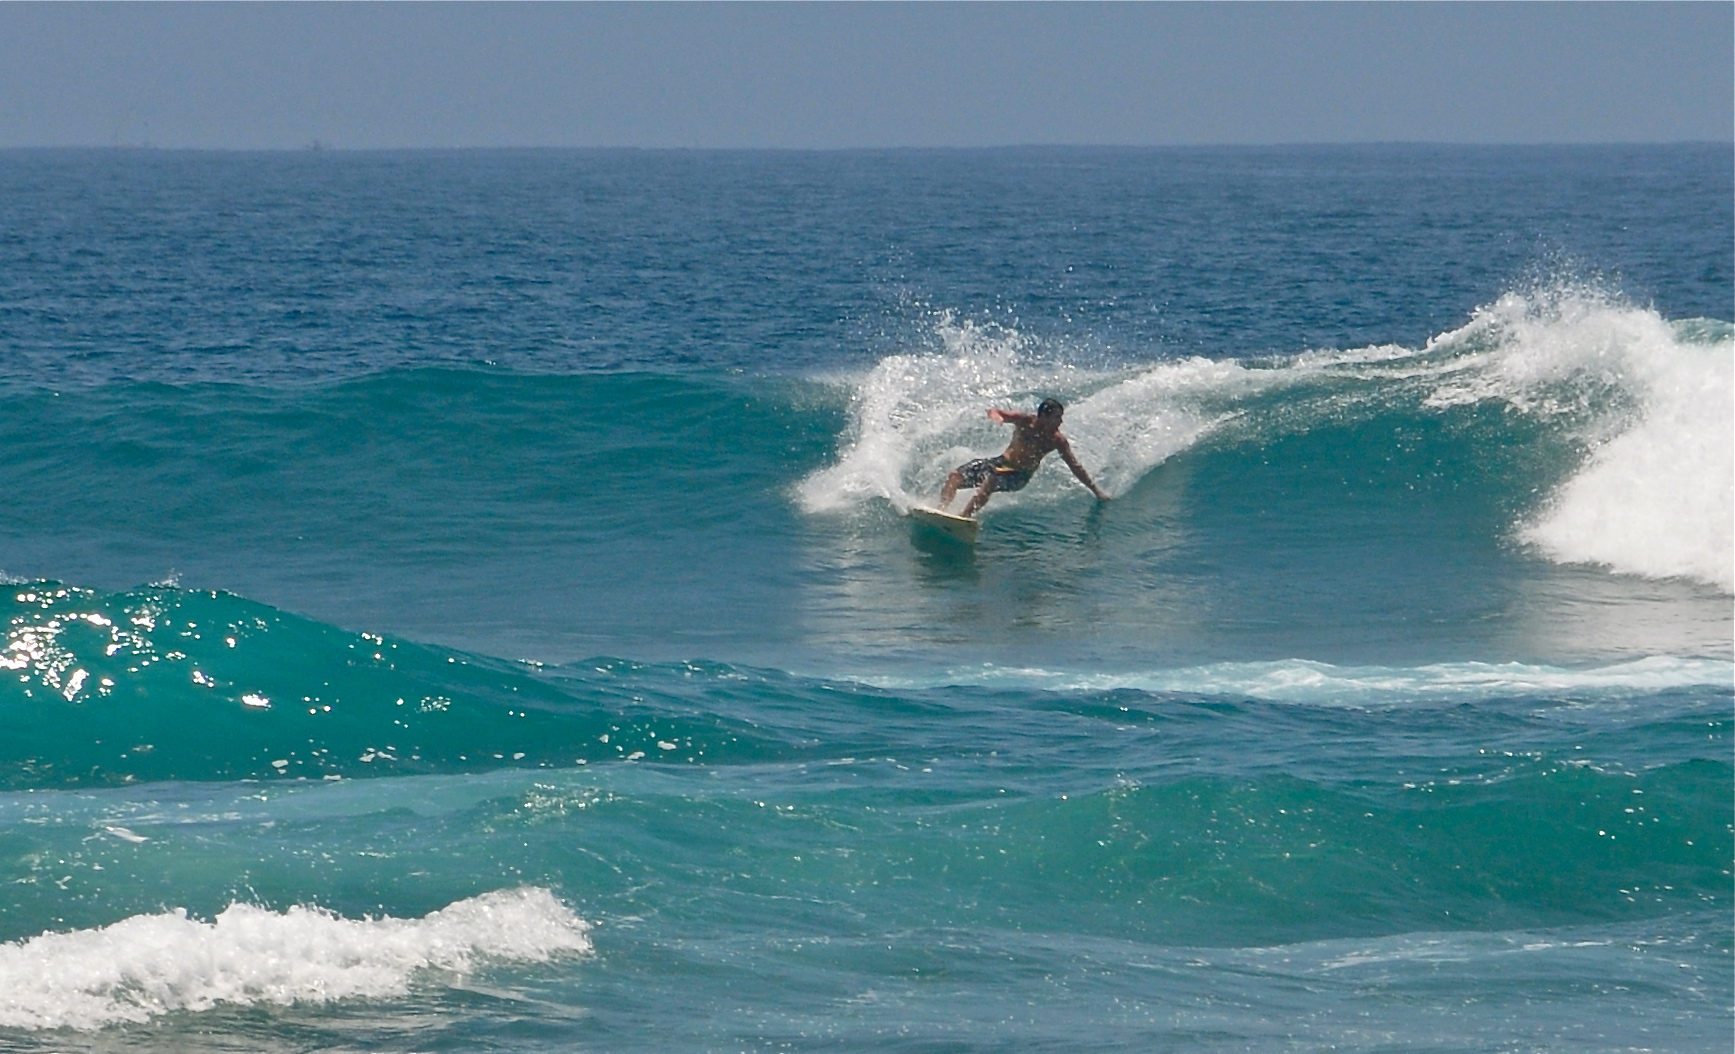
[(171, 684), (1645, 405), (1357, 507)]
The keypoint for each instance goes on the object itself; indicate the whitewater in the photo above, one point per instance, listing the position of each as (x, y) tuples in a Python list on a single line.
[(1651, 405), (463, 601)]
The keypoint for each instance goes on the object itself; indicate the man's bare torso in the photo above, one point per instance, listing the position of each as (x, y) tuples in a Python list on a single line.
[(1034, 437), (1031, 442)]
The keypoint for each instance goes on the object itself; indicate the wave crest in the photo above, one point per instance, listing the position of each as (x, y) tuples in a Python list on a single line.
[(1322, 684), (1654, 403), (1651, 402), (150, 965)]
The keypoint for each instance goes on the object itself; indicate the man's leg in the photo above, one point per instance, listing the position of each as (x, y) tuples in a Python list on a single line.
[(983, 493), (950, 490)]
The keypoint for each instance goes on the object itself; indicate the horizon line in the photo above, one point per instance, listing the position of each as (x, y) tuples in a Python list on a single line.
[(318, 146)]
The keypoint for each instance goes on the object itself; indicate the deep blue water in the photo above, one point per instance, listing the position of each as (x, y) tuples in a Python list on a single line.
[(469, 588)]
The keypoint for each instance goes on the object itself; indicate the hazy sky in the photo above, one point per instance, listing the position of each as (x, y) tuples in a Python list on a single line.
[(861, 75)]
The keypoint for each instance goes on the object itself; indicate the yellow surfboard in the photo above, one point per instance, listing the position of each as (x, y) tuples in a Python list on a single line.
[(958, 528)]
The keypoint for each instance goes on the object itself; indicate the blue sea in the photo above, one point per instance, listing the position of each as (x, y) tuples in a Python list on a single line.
[(460, 601)]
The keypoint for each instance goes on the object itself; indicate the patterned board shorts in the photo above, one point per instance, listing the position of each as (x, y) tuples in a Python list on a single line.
[(1005, 476)]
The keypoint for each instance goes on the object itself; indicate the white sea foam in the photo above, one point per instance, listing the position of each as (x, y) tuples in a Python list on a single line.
[(153, 964), (1304, 681), (916, 416), (1656, 495), (1653, 402)]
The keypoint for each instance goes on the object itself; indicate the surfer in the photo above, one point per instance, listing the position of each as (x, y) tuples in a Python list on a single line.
[(1033, 436)]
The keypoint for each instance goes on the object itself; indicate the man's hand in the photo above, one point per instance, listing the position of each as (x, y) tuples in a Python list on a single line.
[(996, 416)]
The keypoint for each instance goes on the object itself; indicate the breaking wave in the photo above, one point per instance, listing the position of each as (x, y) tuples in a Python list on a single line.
[(148, 965), (1647, 404)]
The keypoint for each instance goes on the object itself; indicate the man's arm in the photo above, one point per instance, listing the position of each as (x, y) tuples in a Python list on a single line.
[(1010, 417), (1065, 450)]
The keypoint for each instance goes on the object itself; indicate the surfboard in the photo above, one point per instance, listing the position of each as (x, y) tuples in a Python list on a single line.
[(958, 528)]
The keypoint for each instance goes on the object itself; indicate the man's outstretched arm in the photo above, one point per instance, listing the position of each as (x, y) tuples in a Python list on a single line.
[(1065, 450)]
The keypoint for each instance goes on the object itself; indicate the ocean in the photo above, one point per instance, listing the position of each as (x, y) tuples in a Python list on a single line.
[(460, 601)]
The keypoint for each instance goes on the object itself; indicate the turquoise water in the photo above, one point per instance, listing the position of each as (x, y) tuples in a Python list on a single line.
[(460, 601)]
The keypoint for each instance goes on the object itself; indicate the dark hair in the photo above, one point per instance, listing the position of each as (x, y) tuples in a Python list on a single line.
[(1049, 408)]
